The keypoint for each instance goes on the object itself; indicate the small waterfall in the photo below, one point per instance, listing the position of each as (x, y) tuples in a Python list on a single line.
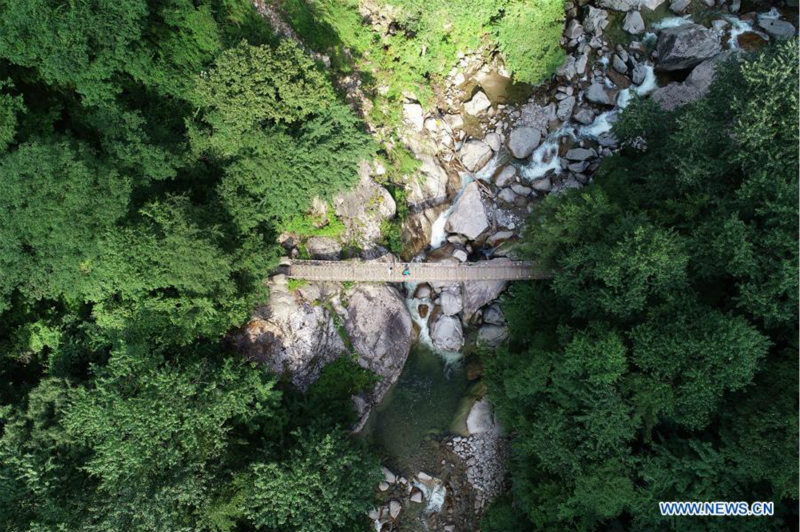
[(452, 359), (413, 305), (602, 124), (438, 233), (484, 174), (671, 22), (739, 26), (544, 158), (648, 85), (434, 494)]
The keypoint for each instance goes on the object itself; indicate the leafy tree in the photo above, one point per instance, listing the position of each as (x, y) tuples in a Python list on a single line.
[(284, 170), (82, 45), (317, 488), (41, 484), (126, 260), (643, 371), (56, 199), (170, 278), (272, 116), (252, 86), (159, 431), (9, 107)]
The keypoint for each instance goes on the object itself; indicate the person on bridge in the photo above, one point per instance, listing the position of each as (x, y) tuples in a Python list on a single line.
[(406, 272)]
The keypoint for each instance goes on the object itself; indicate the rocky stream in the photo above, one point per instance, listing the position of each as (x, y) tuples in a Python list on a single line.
[(488, 153)]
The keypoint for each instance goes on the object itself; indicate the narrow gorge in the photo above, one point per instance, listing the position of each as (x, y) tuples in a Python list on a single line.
[(487, 152)]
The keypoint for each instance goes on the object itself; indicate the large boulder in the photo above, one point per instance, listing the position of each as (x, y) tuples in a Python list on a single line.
[(379, 327), (505, 176), (685, 46), (450, 302), (475, 154), (494, 315), (523, 140), (595, 22), (565, 108), (492, 335), (634, 23), (446, 334), (619, 5), (479, 293), (679, 6), (479, 103), (323, 247), (580, 154), (627, 5), (597, 93), (480, 418), (414, 116), (777, 29), (469, 216), (694, 87), (574, 29)]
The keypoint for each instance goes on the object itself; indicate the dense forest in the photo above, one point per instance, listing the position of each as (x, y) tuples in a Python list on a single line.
[(151, 151), (660, 363)]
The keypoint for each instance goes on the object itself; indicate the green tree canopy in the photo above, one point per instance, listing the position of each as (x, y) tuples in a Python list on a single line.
[(642, 372)]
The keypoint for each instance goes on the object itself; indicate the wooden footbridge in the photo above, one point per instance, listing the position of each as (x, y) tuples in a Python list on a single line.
[(398, 272)]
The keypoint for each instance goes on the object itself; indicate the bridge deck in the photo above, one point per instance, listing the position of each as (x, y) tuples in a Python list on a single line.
[(355, 270)]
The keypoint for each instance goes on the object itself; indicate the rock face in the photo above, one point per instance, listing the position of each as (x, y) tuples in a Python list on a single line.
[(469, 216), (685, 46), (379, 327), (323, 247), (694, 87), (414, 116), (446, 334), (431, 189), (475, 154), (292, 335), (523, 140), (363, 208), (418, 227)]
